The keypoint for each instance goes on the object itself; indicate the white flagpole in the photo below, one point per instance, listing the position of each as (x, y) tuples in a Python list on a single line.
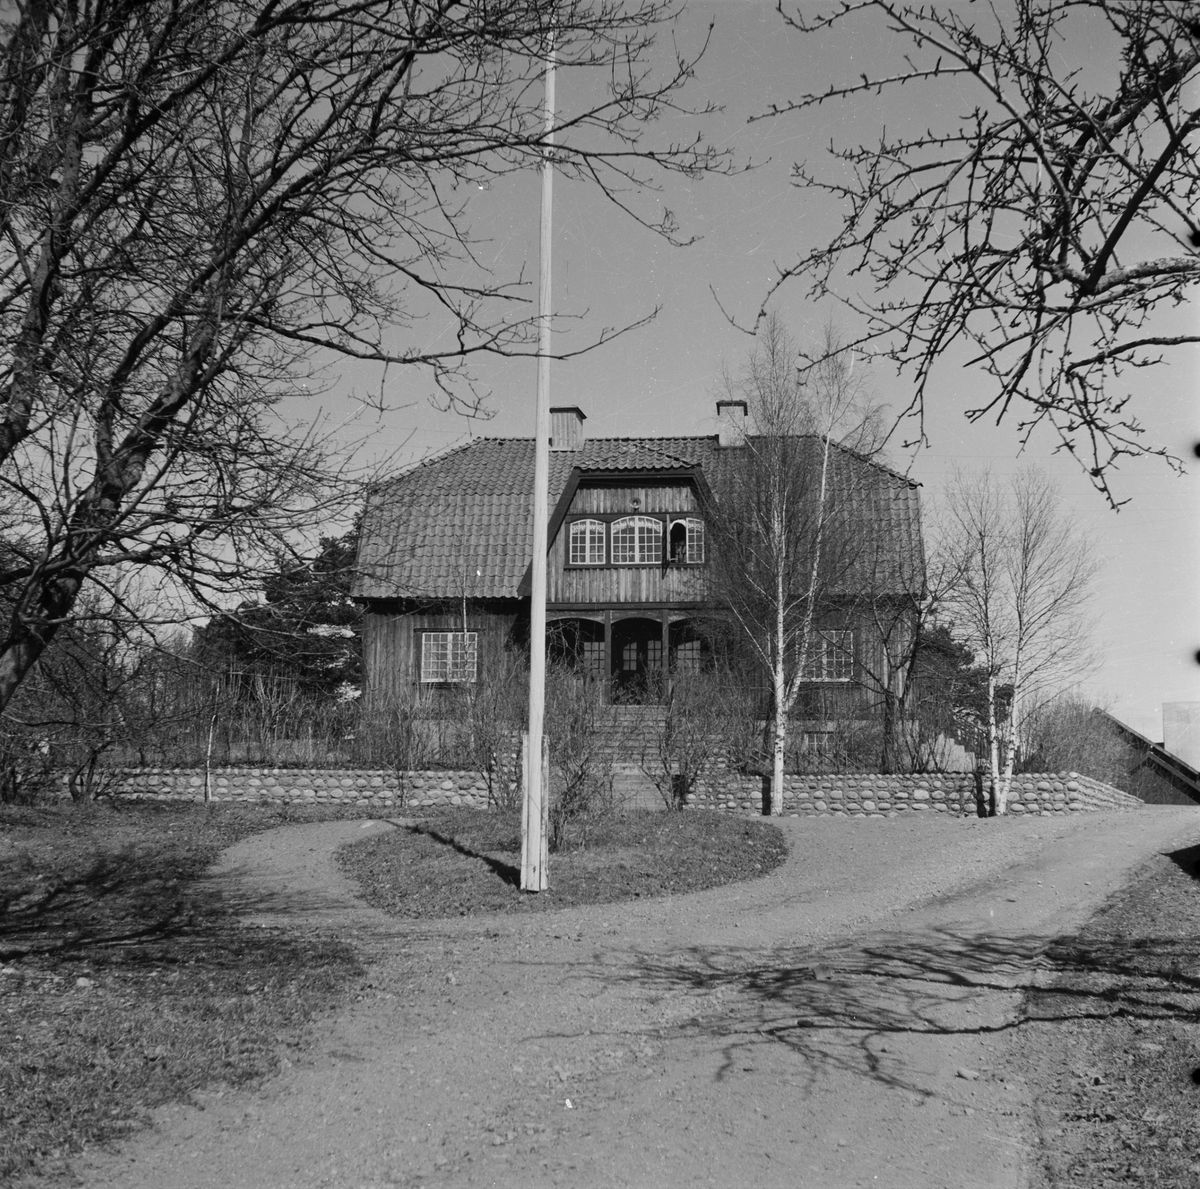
[(534, 876)]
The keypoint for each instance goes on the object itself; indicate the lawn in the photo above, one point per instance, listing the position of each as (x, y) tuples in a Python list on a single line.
[(125, 984), (1114, 1042), (458, 862)]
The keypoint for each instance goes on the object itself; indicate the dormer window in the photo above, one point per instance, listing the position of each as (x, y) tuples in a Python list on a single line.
[(687, 541), (637, 541), (587, 543)]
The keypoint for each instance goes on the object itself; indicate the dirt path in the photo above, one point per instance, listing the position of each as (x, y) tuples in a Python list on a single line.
[(842, 1022)]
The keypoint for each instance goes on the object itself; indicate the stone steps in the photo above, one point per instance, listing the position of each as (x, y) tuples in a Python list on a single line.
[(633, 789)]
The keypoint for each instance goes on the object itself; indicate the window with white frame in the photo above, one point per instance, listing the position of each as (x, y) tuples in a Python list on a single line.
[(830, 657), (687, 541), (449, 657), (636, 541), (587, 543)]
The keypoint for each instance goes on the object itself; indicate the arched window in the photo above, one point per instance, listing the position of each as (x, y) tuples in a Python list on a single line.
[(636, 541), (587, 543), (687, 541)]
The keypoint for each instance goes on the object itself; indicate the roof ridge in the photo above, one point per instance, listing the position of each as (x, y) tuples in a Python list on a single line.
[(653, 444), (883, 466), (429, 460), (677, 437), (630, 445)]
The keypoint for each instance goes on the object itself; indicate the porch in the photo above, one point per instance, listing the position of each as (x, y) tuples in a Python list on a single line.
[(631, 655)]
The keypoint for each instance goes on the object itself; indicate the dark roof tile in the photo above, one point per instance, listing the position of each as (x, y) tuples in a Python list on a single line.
[(461, 524)]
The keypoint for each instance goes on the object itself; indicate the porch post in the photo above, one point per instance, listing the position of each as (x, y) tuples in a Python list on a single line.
[(666, 652), (607, 687)]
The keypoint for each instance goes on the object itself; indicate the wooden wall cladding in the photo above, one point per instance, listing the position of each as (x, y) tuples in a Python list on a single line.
[(390, 642), (625, 584)]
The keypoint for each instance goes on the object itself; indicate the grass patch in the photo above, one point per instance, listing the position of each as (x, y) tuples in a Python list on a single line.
[(125, 984), (1119, 1069), (464, 861)]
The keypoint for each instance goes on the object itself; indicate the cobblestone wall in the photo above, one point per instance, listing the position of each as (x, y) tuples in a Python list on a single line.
[(857, 795), (321, 786), (866, 795)]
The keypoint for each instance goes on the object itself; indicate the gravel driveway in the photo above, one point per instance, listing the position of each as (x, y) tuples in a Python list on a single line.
[(843, 1021)]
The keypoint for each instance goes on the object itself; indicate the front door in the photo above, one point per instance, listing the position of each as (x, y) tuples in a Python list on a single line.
[(637, 660)]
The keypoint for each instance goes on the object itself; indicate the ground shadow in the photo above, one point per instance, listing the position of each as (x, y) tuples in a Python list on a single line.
[(1187, 860), (112, 899), (833, 1005), (119, 901), (508, 872)]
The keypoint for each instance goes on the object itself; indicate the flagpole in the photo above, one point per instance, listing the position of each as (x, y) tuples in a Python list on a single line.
[(534, 875)]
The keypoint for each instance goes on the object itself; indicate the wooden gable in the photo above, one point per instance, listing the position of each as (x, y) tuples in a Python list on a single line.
[(607, 501)]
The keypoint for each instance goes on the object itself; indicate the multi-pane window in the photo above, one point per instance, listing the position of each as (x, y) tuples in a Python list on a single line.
[(636, 540), (818, 743), (587, 543), (688, 657), (593, 657), (687, 541), (650, 655), (449, 656), (830, 657)]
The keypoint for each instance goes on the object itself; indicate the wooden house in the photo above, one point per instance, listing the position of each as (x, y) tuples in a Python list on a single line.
[(444, 558)]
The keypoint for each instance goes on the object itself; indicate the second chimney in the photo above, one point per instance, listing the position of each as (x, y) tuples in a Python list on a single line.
[(731, 422), (566, 428)]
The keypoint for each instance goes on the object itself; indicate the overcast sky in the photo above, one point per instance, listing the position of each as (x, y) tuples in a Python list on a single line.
[(662, 379)]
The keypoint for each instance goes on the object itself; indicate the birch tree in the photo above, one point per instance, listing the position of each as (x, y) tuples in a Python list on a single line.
[(1027, 575), (1039, 211), (903, 616), (782, 548), (202, 204)]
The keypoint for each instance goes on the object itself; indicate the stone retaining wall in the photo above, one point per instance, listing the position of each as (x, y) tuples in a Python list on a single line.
[(857, 795), (867, 795), (319, 786)]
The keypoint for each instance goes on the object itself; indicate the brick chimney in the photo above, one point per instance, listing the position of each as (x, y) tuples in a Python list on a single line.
[(566, 428), (731, 422)]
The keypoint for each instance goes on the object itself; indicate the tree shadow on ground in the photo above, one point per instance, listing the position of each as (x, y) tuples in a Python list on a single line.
[(113, 898), (836, 1005), (130, 902)]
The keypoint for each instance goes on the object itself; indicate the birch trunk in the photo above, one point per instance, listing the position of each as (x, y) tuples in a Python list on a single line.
[(999, 804), (780, 696), (1010, 748)]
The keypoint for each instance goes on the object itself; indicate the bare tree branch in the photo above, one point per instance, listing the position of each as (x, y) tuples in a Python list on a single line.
[(1045, 228), (201, 204), (1025, 578)]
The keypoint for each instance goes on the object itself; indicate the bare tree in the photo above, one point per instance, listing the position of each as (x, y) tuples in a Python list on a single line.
[(1044, 226), (695, 729), (902, 617), (96, 694), (783, 549), (1026, 577), (493, 709), (1069, 733), (202, 202), (578, 731)]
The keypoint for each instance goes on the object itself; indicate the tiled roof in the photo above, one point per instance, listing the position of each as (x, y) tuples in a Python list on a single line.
[(461, 524), (625, 454)]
